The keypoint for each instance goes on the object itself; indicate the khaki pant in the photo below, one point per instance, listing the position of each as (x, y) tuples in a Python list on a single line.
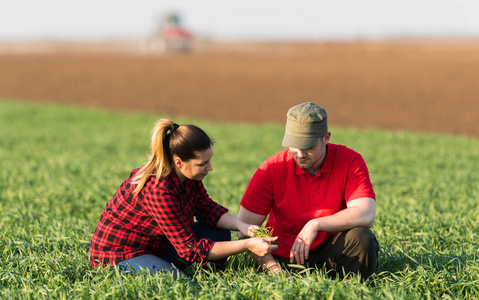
[(353, 251)]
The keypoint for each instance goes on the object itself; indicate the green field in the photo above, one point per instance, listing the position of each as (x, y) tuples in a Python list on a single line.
[(60, 165)]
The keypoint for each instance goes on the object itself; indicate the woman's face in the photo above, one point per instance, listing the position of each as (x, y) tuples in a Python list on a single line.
[(196, 168)]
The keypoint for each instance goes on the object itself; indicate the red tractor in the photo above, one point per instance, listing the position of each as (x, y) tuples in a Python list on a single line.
[(175, 38)]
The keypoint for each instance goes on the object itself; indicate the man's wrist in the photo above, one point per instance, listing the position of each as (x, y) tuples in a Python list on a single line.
[(272, 267), (316, 224)]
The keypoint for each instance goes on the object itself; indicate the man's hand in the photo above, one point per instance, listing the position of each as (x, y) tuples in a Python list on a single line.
[(300, 249)]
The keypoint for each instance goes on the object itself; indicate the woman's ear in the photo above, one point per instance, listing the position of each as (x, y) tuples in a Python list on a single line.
[(177, 161)]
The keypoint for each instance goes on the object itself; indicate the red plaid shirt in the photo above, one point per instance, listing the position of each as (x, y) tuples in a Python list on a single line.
[(161, 215)]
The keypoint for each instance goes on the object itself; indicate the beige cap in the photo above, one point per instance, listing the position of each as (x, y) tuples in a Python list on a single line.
[(305, 123)]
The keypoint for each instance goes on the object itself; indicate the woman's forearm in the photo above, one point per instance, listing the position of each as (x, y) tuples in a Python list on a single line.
[(228, 221), (258, 246), (224, 249)]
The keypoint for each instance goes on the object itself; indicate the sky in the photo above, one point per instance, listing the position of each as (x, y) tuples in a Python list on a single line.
[(240, 20)]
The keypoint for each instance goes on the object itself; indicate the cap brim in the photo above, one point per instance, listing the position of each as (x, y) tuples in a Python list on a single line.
[(298, 142)]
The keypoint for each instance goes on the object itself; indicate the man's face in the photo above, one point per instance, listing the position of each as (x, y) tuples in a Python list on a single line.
[(311, 159)]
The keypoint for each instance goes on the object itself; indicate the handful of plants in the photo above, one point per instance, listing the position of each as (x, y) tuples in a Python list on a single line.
[(263, 233)]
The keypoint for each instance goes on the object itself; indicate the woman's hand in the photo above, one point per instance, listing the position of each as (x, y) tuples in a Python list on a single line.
[(261, 246), (246, 229)]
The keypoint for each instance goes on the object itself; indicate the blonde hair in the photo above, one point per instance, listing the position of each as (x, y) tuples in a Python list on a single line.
[(168, 139)]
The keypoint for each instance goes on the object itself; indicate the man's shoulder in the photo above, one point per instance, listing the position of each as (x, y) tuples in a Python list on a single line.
[(341, 150), (279, 157), (277, 162), (342, 157)]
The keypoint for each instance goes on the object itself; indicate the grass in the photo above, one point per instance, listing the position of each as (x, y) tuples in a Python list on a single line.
[(60, 165)]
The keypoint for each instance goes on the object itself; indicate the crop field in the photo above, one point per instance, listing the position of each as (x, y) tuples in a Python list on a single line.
[(73, 126), (60, 165)]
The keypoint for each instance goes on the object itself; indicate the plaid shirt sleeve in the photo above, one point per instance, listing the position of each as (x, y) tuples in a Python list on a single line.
[(207, 211), (172, 209)]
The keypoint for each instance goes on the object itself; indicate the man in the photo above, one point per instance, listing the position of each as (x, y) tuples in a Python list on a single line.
[(319, 199)]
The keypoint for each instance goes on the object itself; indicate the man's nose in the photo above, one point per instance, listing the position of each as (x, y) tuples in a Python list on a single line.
[(301, 153)]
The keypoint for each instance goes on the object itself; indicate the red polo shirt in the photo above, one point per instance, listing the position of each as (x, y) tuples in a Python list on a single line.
[(292, 197)]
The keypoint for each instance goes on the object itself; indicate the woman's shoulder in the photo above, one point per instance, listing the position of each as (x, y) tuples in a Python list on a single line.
[(160, 186)]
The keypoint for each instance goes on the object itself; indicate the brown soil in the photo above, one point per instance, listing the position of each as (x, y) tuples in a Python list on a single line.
[(420, 86)]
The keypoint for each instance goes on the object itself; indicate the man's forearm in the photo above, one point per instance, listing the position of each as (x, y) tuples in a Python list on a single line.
[(267, 262), (353, 216)]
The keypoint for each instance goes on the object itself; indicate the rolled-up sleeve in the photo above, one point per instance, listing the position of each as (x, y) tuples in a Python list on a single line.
[(206, 210)]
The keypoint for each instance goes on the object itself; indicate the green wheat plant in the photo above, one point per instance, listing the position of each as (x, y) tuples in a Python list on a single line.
[(263, 232)]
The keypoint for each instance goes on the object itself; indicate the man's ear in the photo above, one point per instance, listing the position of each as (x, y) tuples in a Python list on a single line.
[(327, 137)]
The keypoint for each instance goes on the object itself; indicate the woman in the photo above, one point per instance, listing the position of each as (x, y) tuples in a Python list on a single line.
[(149, 221)]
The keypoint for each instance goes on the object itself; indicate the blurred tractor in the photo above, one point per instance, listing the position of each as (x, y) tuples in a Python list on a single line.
[(172, 36)]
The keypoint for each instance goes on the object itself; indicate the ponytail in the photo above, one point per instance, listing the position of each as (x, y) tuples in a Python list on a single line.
[(168, 139)]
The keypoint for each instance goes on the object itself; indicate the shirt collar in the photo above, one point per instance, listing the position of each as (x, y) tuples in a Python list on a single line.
[(176, 181), (328, 162)]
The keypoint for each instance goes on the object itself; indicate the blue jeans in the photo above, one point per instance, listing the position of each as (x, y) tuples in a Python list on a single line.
[(171, 261)]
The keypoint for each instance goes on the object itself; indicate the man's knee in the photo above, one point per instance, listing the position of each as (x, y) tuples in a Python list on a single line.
[(361, 239), (361, 251)]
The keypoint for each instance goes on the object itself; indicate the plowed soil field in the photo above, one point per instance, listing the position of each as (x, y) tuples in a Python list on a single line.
[(419, 86)]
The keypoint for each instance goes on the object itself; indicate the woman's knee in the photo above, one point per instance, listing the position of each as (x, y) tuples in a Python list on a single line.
[(212, 233), (150, 263), (224, 235)]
